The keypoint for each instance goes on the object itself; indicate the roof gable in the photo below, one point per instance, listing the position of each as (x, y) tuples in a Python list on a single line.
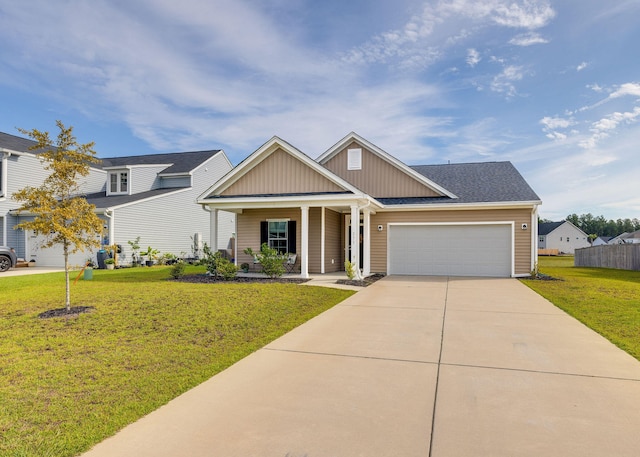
[(382, 175), (545, 228), (277, 168)]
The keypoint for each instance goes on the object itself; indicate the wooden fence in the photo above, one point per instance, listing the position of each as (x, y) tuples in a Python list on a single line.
[(620, 256)]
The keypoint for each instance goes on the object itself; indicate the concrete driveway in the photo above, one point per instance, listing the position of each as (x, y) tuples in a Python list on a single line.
[(412, 366)]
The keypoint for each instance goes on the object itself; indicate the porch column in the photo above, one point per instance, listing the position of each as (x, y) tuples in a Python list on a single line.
[(322, 235), (366, 244), (355, 240), (213, 229), (304, 254)]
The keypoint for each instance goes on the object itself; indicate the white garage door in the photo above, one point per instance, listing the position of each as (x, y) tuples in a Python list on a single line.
[(53, 256), (450, 250)]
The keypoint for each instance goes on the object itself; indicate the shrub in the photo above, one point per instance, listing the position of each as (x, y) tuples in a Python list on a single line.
[(177, 269), (218, 265), (350, 268), (270, 259)]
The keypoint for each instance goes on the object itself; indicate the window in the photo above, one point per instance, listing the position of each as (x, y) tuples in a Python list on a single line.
[(279, 235), (119, 182), (354, 159)]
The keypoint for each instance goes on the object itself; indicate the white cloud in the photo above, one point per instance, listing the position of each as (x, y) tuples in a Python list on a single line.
[(503, 83), (603, 128), (473, 57), (582, 66), (553, 123), (528, 39), (626, 89)]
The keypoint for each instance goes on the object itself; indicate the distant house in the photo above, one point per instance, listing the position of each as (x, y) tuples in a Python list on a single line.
[(150, 196), (563, 236), (627, 238), (601, 241)]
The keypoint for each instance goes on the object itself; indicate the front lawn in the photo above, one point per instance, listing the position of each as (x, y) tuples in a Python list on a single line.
[(68, 383), (604, 299)]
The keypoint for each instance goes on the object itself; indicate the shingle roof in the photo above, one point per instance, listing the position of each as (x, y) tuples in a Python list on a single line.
[(474, 183), (101, 200), (181, 162), (16, 143), (544, 228)]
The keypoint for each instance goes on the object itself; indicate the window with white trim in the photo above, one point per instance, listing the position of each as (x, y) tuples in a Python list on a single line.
[(279, 236), (119, 182)]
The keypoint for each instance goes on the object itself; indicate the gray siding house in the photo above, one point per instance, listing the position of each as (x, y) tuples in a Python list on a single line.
[(151, 196), (563, 236)]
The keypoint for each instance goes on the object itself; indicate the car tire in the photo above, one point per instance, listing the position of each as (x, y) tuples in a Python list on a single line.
[(5, 263)]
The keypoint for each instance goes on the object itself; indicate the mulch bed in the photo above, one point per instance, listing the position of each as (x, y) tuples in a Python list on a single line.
[(362, 282), (74, 311), (541, 277), (205, 279)]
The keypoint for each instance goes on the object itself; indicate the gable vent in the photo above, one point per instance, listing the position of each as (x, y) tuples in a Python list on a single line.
[(354, 159)]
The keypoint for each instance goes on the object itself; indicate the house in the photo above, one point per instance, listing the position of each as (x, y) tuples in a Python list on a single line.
[(476, 219), (150, 196), (563, 236), (626, 238), (601, 241)]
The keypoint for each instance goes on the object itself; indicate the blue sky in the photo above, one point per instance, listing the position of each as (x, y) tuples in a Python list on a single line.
[(552, 86)]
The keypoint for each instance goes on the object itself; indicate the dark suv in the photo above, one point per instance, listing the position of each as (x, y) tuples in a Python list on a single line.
[(7, 258)]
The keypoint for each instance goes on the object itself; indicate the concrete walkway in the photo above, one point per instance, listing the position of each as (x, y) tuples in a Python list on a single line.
[(411, 366)]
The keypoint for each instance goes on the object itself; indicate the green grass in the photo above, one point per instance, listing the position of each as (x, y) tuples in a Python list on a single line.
[(68, 383), (606, 300)]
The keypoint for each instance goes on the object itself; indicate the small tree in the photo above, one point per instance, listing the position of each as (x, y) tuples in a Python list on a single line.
[(61, 214)]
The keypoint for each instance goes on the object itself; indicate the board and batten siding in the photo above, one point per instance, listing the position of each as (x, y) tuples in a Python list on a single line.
[(377, 177), (281, 173), (522, 241)]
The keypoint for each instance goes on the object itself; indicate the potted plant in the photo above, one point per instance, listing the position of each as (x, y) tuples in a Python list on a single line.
[(110, 263), (151, 255), (244, 267), (135, 248)]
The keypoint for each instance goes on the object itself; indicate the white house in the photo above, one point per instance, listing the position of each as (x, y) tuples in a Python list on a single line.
[(563, 236), (150, 196)]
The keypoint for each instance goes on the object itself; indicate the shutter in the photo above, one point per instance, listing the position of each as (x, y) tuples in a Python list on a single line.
[(264, 232), (291, 233)]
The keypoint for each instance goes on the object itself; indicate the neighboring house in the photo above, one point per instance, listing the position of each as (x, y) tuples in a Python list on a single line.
[(627, 238), (151, 196), (601, 241), (476, 219), (563, 236)]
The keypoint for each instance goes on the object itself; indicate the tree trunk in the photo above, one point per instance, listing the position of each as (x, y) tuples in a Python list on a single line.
[(66, 278)]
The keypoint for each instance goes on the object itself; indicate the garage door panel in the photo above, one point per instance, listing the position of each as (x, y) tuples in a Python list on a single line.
[(450, 250)]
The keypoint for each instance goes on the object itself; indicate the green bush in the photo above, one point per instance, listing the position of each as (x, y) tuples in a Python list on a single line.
[(217, 265), (350, 268), (272, 262), (177, 269)]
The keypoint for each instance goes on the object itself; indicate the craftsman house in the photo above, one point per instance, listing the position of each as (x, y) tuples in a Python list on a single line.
[(473, 219)]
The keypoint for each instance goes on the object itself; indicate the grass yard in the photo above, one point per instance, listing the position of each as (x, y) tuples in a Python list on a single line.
[(606, 300), (68, 383)]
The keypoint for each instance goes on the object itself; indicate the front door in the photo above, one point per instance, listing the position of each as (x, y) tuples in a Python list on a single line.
[(348, 240)]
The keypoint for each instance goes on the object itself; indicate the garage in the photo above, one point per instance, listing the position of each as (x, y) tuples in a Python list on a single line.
[(451, 249), (53, 256)]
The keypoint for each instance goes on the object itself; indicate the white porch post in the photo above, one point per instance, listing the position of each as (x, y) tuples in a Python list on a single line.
[(213, 229), (366, 245), (322, 235), (304, 255), (355, 240)]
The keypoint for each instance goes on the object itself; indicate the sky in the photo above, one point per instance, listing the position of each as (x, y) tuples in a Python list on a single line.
[(551, 85)]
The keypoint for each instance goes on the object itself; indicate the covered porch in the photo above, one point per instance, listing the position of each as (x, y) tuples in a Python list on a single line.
[(317, 229)]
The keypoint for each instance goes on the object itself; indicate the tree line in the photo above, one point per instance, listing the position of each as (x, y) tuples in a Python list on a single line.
[(600, 226)]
